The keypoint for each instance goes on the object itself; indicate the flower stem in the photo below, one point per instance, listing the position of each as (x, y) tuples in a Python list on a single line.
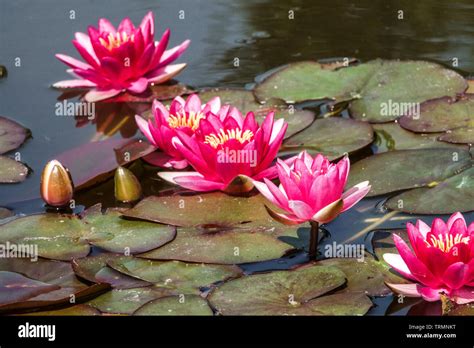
[(313, 241)]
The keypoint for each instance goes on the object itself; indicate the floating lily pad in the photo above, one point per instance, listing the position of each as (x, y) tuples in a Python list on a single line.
[(295, 292), (76, 310), (453, 116), (15, 287), (95, 269), (375, 85), (127, 301), (94, 162), (448, 196), (463, 310), (225, 246), (12, 135), (12, 171), (176, 305), (245, 101), (119, 235), (160, 92), (404, 169), (390, 137), (177, 276), (332, 136), (66, 237)]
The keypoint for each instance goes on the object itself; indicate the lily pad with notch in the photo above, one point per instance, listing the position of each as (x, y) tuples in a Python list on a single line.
[(176, 305)]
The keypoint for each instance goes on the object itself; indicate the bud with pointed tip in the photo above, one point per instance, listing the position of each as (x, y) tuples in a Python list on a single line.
[(127, 186), (57, 187)]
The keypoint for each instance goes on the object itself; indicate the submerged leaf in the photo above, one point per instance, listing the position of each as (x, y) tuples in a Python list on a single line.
[(12, 135), (12, 171)]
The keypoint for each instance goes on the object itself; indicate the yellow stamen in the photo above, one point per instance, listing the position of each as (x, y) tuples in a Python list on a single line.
[(190, 120), (446, 242), (117, 40), (220, 138)]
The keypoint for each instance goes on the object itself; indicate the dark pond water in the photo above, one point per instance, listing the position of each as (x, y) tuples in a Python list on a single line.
[(258, 33)]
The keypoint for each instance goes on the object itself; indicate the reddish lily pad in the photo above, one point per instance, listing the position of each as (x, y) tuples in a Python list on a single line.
[(398, 170), (94, 162), (332, 137), (12, 171), (372, 85), (12, 135), (245, 101), (119, 235), (127, 301), (15, 287), (448, 196), (177, 276), (77, 310), (390, 137), (5, 213), (295, 292), (176, 305)]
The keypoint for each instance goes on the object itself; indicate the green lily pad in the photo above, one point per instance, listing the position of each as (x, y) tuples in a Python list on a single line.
[(176, 305), (448, 196), (362, 276), (12, 135), (455, 117), (95, 269), (295, 292), (127, 301), (227, 246), (77, 310), (245, 101), (119, 235), (404, 169), (15, 287), (390, 137), (375, 86), (66, 237), (332, 137), (177, 276), (58, 237), (12, 171)]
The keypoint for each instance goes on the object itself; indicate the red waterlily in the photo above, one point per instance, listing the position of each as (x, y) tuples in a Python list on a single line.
[(182, 115), (124, 59), (441, 262), (227, 149)]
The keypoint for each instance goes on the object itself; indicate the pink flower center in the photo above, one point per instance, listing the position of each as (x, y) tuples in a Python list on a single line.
[(446, 242), (184, 119), (225, 135), (115, 41)]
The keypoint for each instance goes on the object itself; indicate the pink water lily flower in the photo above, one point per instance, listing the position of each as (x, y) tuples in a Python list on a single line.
[(311, 189), (124, 59), (227, 150), (182, 115), (441, 262)]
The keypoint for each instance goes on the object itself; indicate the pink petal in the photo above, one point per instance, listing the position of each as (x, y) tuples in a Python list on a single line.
[(453, 218), (106, 27), (212, 105), (265, 191), (329, 212), (166, 73), (96, 95), (430, 294), (172, 54), (301, 209), (287, 219), (409, 290), (454, 275), (463, 295), (423, 228), (355, 194), (396, 262), (161, 159), (138, 86), (74, 84), (73, 62), (145, 128), (192, 181), (193, 104)]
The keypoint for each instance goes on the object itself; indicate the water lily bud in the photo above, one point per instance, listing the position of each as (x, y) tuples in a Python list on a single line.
[(57, 187), (127, 186)]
